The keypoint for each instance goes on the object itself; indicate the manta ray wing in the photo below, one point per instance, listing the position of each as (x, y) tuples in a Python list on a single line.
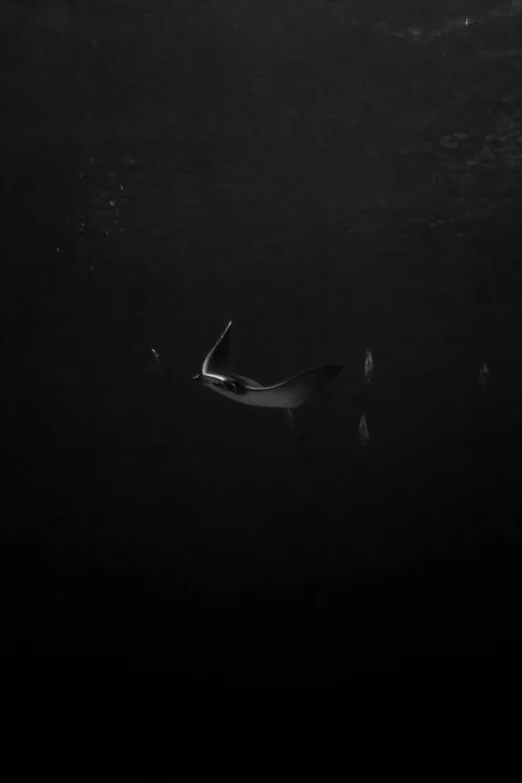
[(217, 357), (293, 392)]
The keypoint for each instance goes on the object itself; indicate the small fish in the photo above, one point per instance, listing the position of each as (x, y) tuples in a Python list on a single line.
[(484, 376), (368, 366), (364, 435), (156, 355), (288, 394)]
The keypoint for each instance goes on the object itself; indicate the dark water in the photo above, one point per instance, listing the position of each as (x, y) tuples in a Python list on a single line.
[(331, 181)]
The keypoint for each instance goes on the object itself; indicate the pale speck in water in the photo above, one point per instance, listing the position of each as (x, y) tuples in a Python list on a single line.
[(368, 366), (364, 435), (484, 376)]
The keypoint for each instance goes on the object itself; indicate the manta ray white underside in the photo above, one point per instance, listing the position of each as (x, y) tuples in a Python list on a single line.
[(289, 394)]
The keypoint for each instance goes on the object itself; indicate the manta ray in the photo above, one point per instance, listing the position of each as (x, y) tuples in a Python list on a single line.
[(288, 394)]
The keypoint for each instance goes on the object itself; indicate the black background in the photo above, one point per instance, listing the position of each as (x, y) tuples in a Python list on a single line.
[(167, 167)]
